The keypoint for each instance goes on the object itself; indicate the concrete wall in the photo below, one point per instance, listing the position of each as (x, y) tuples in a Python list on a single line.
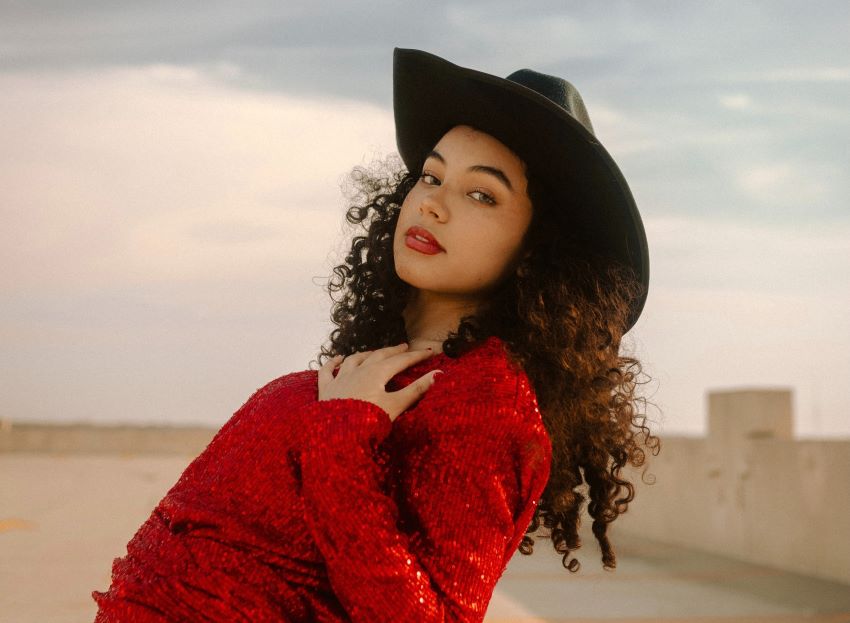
[(749, 490)]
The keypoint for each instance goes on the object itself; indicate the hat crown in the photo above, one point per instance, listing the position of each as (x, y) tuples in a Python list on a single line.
[(557, 90)]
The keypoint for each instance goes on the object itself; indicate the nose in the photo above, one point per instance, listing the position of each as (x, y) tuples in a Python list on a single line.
[(433, 202)]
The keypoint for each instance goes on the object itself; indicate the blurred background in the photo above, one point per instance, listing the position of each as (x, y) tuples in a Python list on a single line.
[(171, 200), (171, 197)]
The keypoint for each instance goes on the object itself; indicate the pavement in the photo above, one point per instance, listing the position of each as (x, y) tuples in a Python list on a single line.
[(658, 582)]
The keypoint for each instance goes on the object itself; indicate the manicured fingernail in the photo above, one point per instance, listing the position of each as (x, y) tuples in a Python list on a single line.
[(436, 374)]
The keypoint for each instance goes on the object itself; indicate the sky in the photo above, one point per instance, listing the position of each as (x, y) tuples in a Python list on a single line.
[(172, 189)]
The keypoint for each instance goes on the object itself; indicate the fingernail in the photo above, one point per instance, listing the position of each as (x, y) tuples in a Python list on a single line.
[(436, 374)]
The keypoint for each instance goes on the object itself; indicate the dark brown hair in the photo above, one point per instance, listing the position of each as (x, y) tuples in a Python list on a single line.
[(561, 315)]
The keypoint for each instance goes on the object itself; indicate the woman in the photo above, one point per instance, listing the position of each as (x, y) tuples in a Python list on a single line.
[(510, 257)]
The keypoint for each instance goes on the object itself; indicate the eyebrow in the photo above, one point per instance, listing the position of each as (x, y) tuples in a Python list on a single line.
[(479, 168)]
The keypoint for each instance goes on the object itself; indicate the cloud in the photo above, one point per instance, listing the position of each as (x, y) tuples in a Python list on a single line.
[(789, 183), (162, 237), (715, 254), (799, 74), (163, 173), (736, 101)]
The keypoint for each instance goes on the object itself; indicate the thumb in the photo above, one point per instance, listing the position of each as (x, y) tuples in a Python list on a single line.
[(414, 391), (425, 382), (420, 386)]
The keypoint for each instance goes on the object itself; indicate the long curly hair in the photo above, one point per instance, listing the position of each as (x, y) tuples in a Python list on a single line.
[(561, 315)]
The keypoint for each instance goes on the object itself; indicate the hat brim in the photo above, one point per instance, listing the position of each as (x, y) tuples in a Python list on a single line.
[(432, 95)]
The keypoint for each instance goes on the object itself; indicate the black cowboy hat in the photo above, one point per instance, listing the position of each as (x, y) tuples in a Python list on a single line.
[(543, 119)]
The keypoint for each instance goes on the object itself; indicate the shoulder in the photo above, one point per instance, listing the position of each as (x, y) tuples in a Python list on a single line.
[(487, 372), (293, 385), (293, 388), (486, 390), (262, 411)]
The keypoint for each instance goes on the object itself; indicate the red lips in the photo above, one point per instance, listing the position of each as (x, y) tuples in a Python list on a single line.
[(424, 233)]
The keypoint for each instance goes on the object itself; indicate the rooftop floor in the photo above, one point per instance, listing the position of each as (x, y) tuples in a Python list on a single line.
[(654, 582)]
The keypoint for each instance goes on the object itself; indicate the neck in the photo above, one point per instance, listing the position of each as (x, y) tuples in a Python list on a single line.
[(429, 317)]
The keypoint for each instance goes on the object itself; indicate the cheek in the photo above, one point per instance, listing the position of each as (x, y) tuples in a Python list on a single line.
[(486, 247), (401, 225), (405, 211), (504, 244)]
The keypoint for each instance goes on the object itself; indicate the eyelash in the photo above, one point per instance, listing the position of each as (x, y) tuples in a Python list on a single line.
[(488, 199)]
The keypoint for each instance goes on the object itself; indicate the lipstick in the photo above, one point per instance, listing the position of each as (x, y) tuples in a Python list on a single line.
[(420, 239)]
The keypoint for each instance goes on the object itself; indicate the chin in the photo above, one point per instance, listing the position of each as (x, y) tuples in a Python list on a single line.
[(416, 279)]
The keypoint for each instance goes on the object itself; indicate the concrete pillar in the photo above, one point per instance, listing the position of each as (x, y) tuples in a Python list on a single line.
[(736, 418)]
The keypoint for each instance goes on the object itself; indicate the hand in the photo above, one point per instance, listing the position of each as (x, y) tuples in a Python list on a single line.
[(364, 376)]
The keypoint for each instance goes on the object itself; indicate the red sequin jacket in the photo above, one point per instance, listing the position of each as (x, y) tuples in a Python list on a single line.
[(304, 510)]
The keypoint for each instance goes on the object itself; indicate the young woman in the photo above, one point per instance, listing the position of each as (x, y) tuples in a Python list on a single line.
[(508, 255)]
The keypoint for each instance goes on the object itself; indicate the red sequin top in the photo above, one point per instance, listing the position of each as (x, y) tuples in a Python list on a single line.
[(304, 510)]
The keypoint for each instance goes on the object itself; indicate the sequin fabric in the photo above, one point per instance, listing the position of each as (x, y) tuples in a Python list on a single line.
[(304, 510)]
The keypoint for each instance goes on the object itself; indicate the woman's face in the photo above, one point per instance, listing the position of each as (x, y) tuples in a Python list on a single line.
[(472, 199)]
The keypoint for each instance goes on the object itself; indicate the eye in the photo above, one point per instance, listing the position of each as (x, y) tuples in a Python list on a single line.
[(485, 197)]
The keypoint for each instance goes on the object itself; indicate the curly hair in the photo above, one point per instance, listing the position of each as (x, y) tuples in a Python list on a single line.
[(561, 316)]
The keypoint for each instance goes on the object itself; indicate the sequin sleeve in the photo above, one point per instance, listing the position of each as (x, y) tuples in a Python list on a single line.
[(469, 500)]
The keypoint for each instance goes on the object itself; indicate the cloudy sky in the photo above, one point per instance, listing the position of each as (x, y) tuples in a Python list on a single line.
[(171, 205)]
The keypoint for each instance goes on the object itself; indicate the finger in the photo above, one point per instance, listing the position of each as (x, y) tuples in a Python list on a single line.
[(432, 376), (388, 351), (331, 362), (418, 388), (327, 368), (355, 359), (413, 355), (398, 362)]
